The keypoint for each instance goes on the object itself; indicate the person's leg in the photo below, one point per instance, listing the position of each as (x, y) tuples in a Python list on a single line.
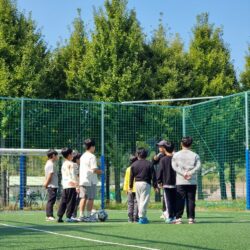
[(90, 204), (83, 201), (82, 206), (163, 202), (171, 201), (166, 212), (191, 192), (136, 217), (76, 206), (138, 197), (71, 203), (91, 193), (130, 206), (144, 198), (63, 204), (180, 202), (52, 192)]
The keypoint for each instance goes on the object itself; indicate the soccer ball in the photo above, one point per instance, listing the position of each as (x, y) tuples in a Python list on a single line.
[(102, 215)]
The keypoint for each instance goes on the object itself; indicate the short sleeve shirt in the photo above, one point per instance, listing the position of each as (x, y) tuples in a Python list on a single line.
[(87, 166), (50, 168), (69, 177)]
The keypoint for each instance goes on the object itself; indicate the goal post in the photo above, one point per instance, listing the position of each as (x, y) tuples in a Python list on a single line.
[(22, 154), (175, 100)]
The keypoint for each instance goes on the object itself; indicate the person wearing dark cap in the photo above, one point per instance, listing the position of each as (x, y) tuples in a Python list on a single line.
[(132, 202), (166, 179), (186, 163), (155, 161)]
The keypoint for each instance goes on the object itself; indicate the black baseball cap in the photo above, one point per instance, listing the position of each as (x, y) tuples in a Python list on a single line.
[(169, 146), (162, 143)]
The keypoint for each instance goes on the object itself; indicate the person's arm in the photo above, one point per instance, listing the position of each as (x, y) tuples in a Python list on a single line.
[(48, 180), (160, 174), (197, 165), (93, 166), (76, 174), (126, 181), (176, 167), (131, 179), (156, 159), (153, 176)]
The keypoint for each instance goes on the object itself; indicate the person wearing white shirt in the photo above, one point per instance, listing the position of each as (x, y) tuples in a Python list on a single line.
[(88, 180), (51, 182)]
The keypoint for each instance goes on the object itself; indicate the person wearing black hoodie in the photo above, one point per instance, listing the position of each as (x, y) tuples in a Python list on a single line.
[(142, 176), (166, 179)]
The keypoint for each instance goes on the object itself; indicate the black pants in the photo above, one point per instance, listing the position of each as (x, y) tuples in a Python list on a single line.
[(186, 194), (76, 205), (52, 192), (67, 203), (163, 203), (170, 201), (132, 207)]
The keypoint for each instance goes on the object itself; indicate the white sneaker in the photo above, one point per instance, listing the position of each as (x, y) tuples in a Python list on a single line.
[(81, 219), (191, 221), (91, 219), (74, 219), (50, 218), (178, 221)]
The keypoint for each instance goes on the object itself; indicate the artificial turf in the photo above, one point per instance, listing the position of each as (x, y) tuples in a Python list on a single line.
[(214, 230)]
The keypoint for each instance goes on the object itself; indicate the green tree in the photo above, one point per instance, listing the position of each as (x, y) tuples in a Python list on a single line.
[(23, 53), (245, 75), (56, 85), (114, 68), (76, 50), (169, 64), (64, 77), (213, 71)]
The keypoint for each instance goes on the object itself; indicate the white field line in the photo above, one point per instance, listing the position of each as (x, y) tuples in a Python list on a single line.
[(79, 238)]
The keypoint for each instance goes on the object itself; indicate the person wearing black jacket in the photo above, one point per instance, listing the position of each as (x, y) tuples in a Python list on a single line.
[(166, 179), (143, 174), (155, 161)]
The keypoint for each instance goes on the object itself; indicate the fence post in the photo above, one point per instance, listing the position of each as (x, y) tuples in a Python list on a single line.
[(102, 158), (22, 160), (247, 153), (183, 122)]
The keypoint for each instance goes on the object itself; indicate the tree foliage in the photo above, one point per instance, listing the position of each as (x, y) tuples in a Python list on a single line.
[(23, 53)]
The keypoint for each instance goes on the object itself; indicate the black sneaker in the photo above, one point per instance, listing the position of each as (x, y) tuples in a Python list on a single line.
[(60, 220), (136, 220)]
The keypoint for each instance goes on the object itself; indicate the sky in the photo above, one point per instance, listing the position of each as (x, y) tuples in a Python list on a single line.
[(55, 17)]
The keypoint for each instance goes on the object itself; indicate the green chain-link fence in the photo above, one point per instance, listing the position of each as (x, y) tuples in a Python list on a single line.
[(219, 129)]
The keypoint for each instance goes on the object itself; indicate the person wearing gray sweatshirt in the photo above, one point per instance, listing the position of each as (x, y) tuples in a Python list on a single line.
[(186, 163)]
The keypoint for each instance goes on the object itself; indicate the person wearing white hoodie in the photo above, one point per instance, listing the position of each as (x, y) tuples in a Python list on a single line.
[(186, 163)]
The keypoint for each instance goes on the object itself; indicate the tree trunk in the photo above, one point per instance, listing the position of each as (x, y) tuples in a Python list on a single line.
[(117, 172), (3, 188), (232, 177), (223, 191), (107, 181), (199, 186)]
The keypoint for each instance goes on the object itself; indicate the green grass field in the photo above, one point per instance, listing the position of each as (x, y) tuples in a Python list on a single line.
[(214, 230)]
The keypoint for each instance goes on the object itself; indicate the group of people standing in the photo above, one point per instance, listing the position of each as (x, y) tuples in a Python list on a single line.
[(79, 180), (176, 176)]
